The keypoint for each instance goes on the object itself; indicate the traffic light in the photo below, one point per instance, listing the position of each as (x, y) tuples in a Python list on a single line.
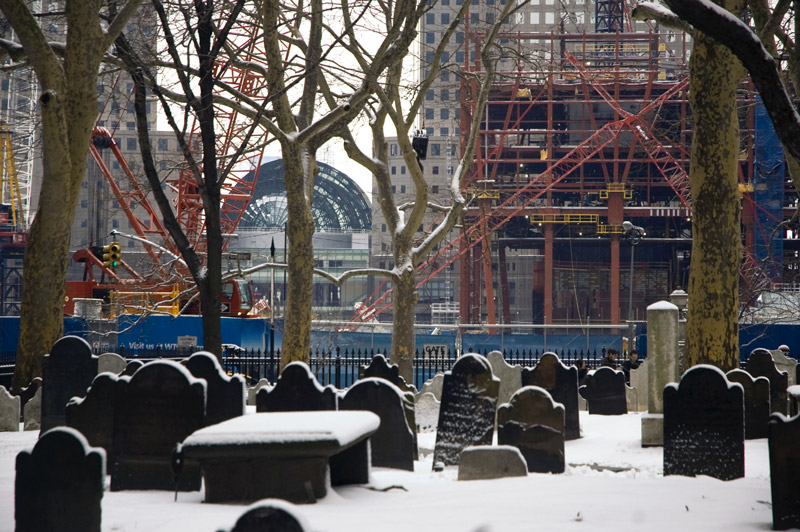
[(111, 255)]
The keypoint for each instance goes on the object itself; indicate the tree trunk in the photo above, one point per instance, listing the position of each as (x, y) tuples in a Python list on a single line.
[(403, 340), (712, 328)]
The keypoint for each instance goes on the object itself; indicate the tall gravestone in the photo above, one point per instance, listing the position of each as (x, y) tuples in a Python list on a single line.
[(785, 363), (32, 412), (604, 391), (784, 467), (426, 412), (9, 411), (760, 364), (59, 485), (380, 368), (532, 422), (93, 415), (225, 396), (756, 403), (704, 425), (156, 410), (272, 516), (639, 383), (27, 394), (392, 445), (297, 389), (663, 335), (467, 412), (66, 373), (510, 376), (561, 382)]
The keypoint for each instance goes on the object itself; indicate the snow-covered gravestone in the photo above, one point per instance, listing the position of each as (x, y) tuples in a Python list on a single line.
[(561, 382), (252, 391), (486, 462), (66, 373), (9, 411), (225, 396), (784, 466), (132, 367), (380, 368), (662, 361), (604, 390), (59, 484), (156, 410), (532, 422), (32, 411), (296, 390), (433, 386), (274, 516), (785, 363), (426, 412), (111, 363), (393, 443), (756, 403), (467, 412), (760, 364), (704, 425), (510, 376), (93, 415)]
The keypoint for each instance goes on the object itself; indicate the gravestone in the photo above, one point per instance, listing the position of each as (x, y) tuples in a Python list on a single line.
[(111, 363), (225, 396), (760, 364), (561, 382), (466, 416), (785, 363), (756, 403), (9, 411), (93, 415), (66, 373), (32, 411), (510, 376), (132, 367), (784, 467), (27, 394), (486, 462), (253, 390), (704, 425), (663, 336), (631, 398), (392, 445), (426, 412), (639, 383), (534, 423), (604, 390), (434, 386), (297, 389), (157, 408), (272, 516), (59, 485), (380, 368)]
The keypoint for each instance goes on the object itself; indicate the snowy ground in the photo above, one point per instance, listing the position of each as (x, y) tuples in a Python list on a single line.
[(611, 484)]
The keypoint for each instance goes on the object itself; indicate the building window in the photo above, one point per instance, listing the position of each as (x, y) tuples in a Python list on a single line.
[(163, 144), (402, 189), (429, 113), (460, 56), (130, 125), (430, 18), (444, 131), (549, 17), (429, 57), (534, 17), (393, 149), (394, 189), (162, 165), (394, 170), (403, 170), (429, 37), (429, 95), (130, 143), (459, 38), (383, 228), (445, 18), (490, 18), (115, 223), (474, 18), (436, 149), (444, 113), (429, 131), (444, 75), (445, 95), (84, 204), (445, 57)]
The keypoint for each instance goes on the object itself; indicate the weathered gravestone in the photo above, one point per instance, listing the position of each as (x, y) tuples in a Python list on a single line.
[(785, 363), (561, 382), (760, 364), (510, 376), (784, 467), (9, 411), (225, 396), (253, 390), (486, 462), (132, 367), (59, 484), (639, 383), (380, 368), (393, 443), (663, 337), (704, 425), (466, 416), (111, 363), (66, 373), (32, 411), (297, 390), (534, 423), (756, 403), (157, 408), (93, 415), (426, 412), (27, 394), (274, 516), (604, 390), (434, 386)]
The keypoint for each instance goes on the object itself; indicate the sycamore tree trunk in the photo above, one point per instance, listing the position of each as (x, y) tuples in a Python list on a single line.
[(712, 328), (403, 319)]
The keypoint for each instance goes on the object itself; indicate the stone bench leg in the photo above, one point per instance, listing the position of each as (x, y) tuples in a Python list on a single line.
[(351, 466)]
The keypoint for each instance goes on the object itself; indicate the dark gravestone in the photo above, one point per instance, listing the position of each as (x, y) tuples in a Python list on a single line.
[(760, 364), (784, 467), (561, 382), (27, 394), (66, 373), (156, 409), (296, 390), (604, 391), (379, 367), (59, 484), (704, 425), (466, 415), (272, 517), (93, 415), (756, 403), (532, 422), (393, 444), (131, 368), (225, 396)]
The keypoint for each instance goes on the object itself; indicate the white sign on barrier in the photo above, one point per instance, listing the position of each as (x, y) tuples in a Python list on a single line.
[(435, 350)]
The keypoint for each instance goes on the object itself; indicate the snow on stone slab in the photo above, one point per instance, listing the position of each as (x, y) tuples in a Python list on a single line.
[(288, 427)]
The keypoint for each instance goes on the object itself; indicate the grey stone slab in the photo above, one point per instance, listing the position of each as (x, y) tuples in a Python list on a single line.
[(631, 399), (225, 395), (785, 363), (27, 394), (640, 384), (59, 484), (467, 413), (561, 382), (761, 364), (486, 462), (434, 386), (111, 362), (704, 425), (532, 422), (663, 334), (297, 389), (604, 390), (253, 390), (426, 410), (67, 372), (510, 376), (756, 403), (9, 411), (93, 415), (784, 467), (270, 517), (32, 411), (380, 368)]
